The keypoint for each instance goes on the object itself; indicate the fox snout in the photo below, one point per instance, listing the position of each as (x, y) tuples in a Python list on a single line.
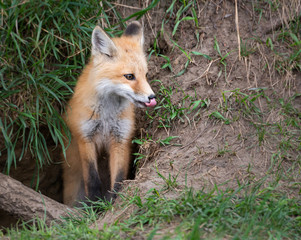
[(147, 97), (152, 101), (144, 101)]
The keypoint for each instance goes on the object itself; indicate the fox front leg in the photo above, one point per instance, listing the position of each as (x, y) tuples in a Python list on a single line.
[(91, 180), (119, 163)]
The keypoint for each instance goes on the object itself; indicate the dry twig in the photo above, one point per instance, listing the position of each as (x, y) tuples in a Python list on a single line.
[(237, 30)]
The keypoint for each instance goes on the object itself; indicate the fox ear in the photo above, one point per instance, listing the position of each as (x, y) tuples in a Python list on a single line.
[(135, 30), (102, 43)]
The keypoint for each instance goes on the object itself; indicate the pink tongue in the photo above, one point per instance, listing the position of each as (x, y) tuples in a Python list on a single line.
[(152, 103)]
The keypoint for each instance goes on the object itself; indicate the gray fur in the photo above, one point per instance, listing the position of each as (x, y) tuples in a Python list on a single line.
[(101, 43), (107, 88), (109, 107)]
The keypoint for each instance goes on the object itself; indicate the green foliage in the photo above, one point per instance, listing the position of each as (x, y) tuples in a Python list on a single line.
[(224, 150), (248, 212), (45, 45), (146, 142), (167, 111), (223, 58), (219, 116), (290, 37), (40, 64), (247, 102), (170, 182), (285, 131), (235, 212), (183, 11), (245, 49)]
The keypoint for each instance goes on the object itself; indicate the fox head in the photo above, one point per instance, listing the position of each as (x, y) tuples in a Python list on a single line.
[(120, 67)]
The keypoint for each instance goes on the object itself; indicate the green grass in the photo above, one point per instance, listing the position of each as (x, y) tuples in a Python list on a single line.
[(45, 46), (167, 111), (273, 121), (248, 212), (42, 54), (246, 49), (147, 144), (238, 104), (177, 13)]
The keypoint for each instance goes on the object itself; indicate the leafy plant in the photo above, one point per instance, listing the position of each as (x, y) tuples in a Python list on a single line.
[(167, 111), (45, 45), (222, 57), (249, 211)]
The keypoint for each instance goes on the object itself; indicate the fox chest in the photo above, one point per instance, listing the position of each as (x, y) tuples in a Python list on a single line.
[(106, 122), (120, 129)]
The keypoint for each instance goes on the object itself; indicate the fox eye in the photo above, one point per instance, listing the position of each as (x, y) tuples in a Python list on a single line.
[(129, 76)]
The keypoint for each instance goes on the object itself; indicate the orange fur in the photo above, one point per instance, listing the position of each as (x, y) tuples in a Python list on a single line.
[(88, 108)]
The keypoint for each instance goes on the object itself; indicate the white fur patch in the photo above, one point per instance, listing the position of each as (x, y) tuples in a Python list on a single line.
[(107, 87), (109, 108)]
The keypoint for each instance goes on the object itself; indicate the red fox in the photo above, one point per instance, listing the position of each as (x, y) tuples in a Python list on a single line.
[(100, 114)]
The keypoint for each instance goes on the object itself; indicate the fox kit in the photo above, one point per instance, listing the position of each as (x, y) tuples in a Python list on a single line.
[(101, 117)]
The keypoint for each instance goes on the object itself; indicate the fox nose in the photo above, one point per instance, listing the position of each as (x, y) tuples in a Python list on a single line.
[(152, 101), (151, 96)]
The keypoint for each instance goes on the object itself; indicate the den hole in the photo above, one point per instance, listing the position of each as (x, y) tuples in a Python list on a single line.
[(50, 181)]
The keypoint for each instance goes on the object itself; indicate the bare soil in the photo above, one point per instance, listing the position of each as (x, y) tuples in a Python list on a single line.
[(199, 161), (209, 152)]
